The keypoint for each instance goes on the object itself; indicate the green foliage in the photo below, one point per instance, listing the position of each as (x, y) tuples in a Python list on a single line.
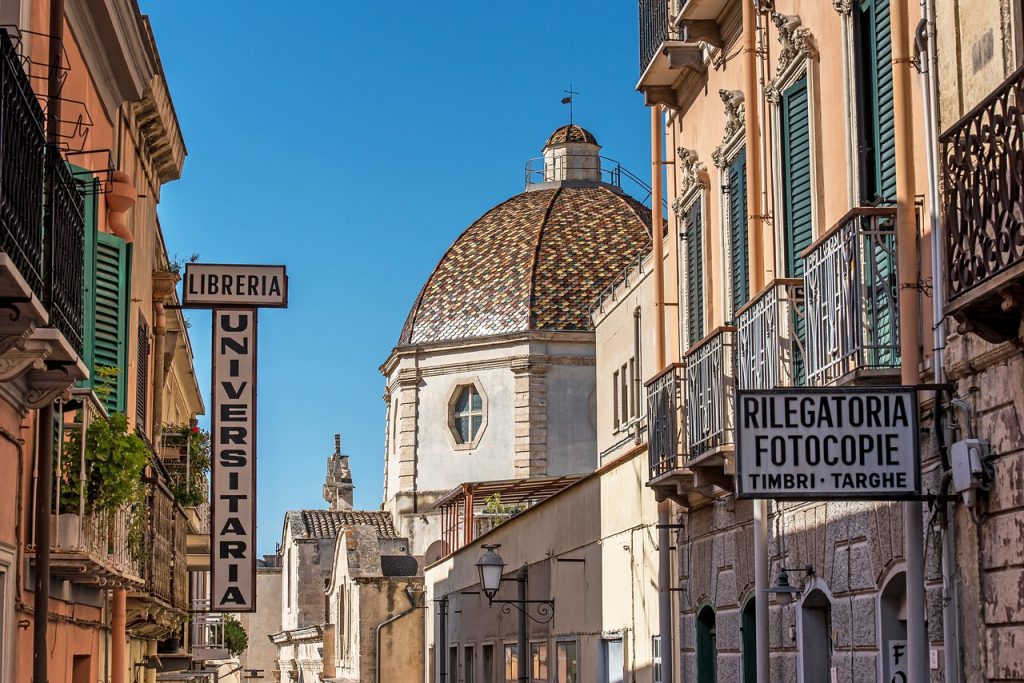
[(190, 489), (235, 637), (494, 506), (114, 460), (104, 381)]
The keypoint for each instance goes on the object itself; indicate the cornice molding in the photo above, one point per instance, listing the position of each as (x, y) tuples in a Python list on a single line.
[(692, 178)]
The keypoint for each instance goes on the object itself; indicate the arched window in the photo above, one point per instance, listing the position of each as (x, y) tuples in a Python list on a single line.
[(815, 635), (748, 642), (707, 647)]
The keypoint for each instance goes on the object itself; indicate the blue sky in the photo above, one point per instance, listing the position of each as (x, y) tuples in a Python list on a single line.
[(353, 142)]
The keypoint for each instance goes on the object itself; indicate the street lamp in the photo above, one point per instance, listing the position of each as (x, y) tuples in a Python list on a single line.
[(785, 592), (491, 567)]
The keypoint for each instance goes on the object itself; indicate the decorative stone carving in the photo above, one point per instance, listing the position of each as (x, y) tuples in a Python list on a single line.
[(691, 171), (17, 361), (844, 7), (796, 40), (735, 119), (771, 93)]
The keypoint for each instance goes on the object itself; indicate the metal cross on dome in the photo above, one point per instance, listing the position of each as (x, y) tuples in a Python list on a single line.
[(568, 100)]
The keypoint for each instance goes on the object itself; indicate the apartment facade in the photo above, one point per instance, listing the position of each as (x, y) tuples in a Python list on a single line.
[(112, 391), (801, 154)]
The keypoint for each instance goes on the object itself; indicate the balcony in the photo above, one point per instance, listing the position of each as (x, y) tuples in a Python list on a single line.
[(41, 277), (983, 214), (690, 416), (191, 488), (667, 53), (852, 301), (770, 332), (206, 635), (88, 546)]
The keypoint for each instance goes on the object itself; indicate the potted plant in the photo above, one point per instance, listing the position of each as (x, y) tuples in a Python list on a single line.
[(186, 454)]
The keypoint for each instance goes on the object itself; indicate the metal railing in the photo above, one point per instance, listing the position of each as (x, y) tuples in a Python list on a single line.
[(710, 390), (983, 189), (654, 29), (166, 566), (587, 166), (770, 331), (207, 628), (22, 163), (852, 297), (665, 422), (67, 256), (103, 537)]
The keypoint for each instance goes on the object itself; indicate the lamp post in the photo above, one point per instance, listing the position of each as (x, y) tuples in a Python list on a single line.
[(491, 567)]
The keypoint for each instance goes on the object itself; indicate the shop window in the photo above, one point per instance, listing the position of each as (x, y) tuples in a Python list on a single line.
[(565, 662), (539, 662), (511, 663)]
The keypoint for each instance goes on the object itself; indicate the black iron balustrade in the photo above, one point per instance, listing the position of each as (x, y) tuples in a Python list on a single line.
[(22, 159), (710, 392), (983, 188), (852, 298), (67, 257), (770, 331), (664, 422), (654, 29)]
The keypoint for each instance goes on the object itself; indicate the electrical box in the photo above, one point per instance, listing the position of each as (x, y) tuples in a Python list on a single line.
[(967, 463)]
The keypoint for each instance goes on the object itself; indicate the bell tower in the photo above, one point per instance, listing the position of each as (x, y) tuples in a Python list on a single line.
[(338, 487)]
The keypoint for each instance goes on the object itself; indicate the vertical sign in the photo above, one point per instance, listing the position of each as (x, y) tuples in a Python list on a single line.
[(898, 661), (233, 427)]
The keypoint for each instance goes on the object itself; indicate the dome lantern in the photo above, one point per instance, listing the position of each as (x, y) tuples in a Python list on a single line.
[(572, 153)]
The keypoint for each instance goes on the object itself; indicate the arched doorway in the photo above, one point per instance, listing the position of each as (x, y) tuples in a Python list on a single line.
[(748, 642), (892, 621), (707, 646), (815, 636)]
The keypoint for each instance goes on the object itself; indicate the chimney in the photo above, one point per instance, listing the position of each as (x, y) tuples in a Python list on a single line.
[(338, 488)]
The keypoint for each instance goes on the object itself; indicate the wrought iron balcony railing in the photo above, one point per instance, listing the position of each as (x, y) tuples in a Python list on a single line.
[(88, 545), (654, 29), (770, 332), (22, 163), (665, 422), (852, 298), (166, 541), (67, 254), (983, 205), (710, 371)]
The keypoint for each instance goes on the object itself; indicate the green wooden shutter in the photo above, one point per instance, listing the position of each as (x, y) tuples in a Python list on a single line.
[(796, 176), (694, 274), (110, 341), (738, 244), (89, 187), (874, 101)]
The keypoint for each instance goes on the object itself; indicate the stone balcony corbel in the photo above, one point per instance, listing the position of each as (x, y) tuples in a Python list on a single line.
[(55, 373), (21, 311)]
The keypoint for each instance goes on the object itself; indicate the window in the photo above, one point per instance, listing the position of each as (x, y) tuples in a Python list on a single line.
[(467, 664), (453, 664), (142, 374), (488, 664), (633, 380), (707, 647), (693, 239), (876, 141), (796, 176), (108, 308), (815, 634), (624, 392), (616, 399), (656, 658), (539, 662), (612, 661), (737, 204), (565, 662), (511, 664), (468, 414)]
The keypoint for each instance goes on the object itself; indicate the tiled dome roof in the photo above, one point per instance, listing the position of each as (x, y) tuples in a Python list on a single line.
[(534, 262), (571, 133)]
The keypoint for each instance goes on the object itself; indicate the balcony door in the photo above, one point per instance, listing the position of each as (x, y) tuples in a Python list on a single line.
[(797, 204), (876, 144)]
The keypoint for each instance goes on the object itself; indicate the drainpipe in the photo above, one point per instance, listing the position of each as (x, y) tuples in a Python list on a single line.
[(929, 87), (118, 611), (906, 238), (44, 473), (159, 333), (665, 617), (755, 230), (442, 640)]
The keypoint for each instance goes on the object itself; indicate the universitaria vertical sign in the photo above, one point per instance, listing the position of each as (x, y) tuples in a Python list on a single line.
[(234, 292), (834, 443)]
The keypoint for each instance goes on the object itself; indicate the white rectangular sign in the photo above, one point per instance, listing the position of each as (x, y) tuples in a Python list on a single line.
[(233, 436), (231, 284), (834, 443)]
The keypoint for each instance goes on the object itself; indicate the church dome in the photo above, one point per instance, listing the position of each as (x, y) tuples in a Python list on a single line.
[(571, 133), (537, 261)]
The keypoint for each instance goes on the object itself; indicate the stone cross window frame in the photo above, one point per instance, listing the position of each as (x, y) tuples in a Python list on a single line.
[(467, 413)]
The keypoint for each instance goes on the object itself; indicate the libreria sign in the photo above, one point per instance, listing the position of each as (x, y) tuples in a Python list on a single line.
[(808, 444)]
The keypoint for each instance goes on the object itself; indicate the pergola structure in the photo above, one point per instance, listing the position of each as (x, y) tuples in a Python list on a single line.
[(463, 515)]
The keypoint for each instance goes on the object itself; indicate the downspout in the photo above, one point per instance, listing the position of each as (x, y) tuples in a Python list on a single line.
[(906, 239), (929, 88), (118, 619), (755, 231), (44, 464), (665, 617)]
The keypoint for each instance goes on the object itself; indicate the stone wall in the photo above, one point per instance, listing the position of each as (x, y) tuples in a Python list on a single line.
[(261, 653)]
